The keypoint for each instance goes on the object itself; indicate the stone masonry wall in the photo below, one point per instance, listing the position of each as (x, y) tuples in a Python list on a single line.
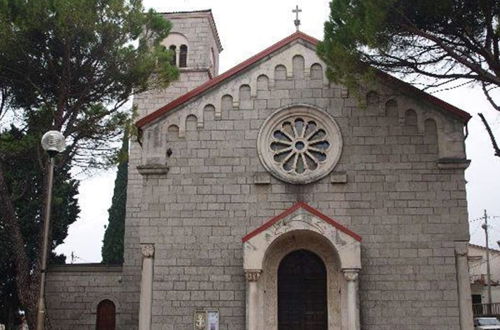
[(200, 40), (74, 291), (407, 209)]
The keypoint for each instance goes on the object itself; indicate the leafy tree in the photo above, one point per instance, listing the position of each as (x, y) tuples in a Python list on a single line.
[(77, 62), (25, 180), (112, 248), (448, 42)]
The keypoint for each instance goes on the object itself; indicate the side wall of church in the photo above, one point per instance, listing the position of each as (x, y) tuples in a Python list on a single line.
[(408, 210), (74, 291)]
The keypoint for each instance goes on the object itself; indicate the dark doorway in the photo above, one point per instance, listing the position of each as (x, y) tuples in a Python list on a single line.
[(106, 315), (302, 300), (183, 56)]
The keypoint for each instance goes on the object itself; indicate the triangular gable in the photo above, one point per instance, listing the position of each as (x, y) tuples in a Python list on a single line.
[(462, 115), (309, 209)]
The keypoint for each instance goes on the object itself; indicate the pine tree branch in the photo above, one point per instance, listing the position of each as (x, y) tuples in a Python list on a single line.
[(490, 133)]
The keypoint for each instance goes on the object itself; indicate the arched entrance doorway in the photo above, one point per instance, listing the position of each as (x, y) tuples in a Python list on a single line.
[(301, 227), (302, 287)]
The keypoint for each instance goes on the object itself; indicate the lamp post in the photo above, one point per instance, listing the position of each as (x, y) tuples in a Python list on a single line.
[(488, 272), (52, 143)]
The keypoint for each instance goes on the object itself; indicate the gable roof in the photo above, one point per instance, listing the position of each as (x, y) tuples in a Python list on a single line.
[(462, 115), (291, 210)]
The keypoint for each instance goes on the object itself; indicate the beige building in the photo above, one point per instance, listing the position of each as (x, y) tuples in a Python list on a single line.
[(478, 272), (268, 198)]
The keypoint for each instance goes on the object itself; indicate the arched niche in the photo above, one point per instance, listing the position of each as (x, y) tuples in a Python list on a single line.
[(298, 67), (411, 118), (191, 122), (411, 122), (391, 109), (244, 93), (431, 135), (172, 133), (280, 72), (316, 72), (226, 102), (262, 83), (372, 100)]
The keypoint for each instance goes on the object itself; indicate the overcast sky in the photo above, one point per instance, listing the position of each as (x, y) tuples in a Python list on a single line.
[(247, 27)]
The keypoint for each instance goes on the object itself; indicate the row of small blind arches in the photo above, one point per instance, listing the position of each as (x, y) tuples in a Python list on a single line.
[(183, 50)]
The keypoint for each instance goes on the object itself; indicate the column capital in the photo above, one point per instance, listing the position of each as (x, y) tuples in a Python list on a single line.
[(461, 248), (351, 274), (252, 275), (148, 250)]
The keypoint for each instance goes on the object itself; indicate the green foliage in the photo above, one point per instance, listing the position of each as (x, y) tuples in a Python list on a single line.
[(25, 182), (112, 248), (83, 59), (67, 65), (442, 40)]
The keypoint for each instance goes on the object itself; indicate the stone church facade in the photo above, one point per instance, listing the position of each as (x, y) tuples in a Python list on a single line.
[(268, 198)]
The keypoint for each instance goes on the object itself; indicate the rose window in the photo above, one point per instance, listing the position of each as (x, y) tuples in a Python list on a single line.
[(300, 144)]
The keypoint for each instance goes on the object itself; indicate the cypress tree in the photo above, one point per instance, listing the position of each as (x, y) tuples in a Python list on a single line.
[(112, 248)]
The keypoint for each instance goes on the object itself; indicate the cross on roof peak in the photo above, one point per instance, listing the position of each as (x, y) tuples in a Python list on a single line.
[(296, 11)]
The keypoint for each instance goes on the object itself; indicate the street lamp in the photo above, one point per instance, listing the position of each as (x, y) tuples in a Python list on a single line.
[(53, 143)]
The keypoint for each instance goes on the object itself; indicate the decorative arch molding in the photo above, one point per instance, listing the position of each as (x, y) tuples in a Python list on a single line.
[(302, 227)]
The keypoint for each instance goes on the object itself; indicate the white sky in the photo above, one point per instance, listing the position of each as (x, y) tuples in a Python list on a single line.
[(247, 27)]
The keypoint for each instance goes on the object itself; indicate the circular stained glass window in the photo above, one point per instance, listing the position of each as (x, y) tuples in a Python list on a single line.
[(299, 144)]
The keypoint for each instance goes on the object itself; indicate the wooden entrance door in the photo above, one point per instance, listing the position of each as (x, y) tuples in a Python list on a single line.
[(302, 300), (106, 315)]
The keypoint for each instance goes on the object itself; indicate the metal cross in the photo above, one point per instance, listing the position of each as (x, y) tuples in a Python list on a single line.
[(296, 11)]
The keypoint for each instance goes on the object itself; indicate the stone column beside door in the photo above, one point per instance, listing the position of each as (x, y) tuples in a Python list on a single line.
[(351, 276), (252, 277), (146, 298)]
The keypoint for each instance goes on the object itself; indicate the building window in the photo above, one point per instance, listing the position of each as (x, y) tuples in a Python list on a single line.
[(183, 56), (106, 315), (299, 144), (173, 61)]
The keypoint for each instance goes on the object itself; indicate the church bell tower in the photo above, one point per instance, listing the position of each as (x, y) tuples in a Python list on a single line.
[(195, 41)]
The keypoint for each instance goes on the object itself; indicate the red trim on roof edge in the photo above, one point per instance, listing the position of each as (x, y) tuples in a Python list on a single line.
[(220, 78), (465, 116), (294, 208), (420, 93)]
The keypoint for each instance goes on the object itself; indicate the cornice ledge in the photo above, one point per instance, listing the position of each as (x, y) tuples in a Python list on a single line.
[(153, 169), (453, 163)]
